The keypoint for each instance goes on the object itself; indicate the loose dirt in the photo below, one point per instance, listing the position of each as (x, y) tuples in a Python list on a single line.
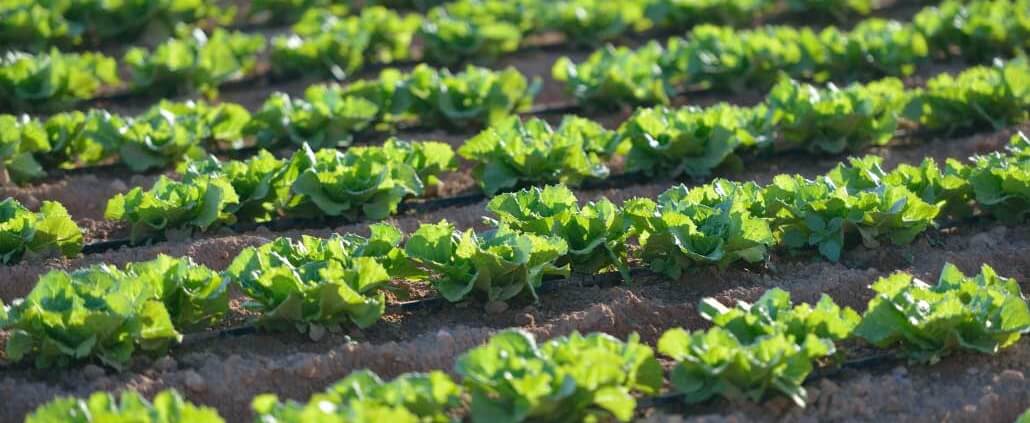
[(225, 373)]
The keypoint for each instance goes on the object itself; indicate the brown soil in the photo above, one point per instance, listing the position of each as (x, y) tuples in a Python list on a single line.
[(225, 373)]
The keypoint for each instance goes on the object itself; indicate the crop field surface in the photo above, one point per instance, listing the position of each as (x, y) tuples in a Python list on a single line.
[(514, 211)]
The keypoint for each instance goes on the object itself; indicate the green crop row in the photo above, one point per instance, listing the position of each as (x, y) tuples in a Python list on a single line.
[(315, 285), (655, 142), (750, 351), (725, 58), (478, 30), (689, 140), (327, 116)]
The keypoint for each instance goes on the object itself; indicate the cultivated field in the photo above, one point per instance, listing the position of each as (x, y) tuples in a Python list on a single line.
[(490, 210)]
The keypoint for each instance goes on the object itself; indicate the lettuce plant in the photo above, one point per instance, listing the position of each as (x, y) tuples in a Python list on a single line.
[(331, 183), (947, 185), (753, 348), (82, 139), (67, 23), (194, 296), (257, 182), (513, 152), (173, 205), (325, 117), (688, 13), (710, 224), (877, 47), (91, 313), (834, 120), (594, 21), (616, 75), (194, 61), (167, 407), (978, 97), (22, 231), (981, 29), (21, 137), (821, 213), (317, 284), (474, 97), (718, 362), (690, 140), (838, 9), (569, 379), (325, 41), (724, 58), (596, 233), (53, 80), (429, 159), (499, 264), (775, 313), (983, 313), (1001, 182), (363, 396), (451, 39)]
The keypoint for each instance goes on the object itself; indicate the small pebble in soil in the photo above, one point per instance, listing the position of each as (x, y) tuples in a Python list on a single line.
[(118, 185), (495, 307), (1010, 375), (93, 371), (195, 382), (166, 364)]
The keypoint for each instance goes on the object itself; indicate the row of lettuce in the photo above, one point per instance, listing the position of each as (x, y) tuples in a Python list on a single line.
[(316, 285), (325, 43), (326, 116), (713, 57), (40, 24), (332, 115), (370, 182), (750, 351), (36, 25)]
